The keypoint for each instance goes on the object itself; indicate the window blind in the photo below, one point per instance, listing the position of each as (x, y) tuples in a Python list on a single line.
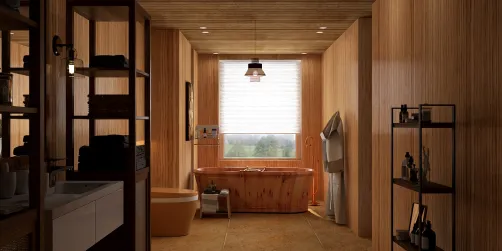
[(272, 105)]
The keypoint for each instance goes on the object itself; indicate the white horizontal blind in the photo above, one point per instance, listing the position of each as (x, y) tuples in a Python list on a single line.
[(272, 105)]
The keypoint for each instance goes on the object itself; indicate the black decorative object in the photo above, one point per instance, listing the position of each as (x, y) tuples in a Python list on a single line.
[(420, 186), (189, 111)]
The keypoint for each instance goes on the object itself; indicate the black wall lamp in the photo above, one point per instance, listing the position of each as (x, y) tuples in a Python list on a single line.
[(71, 61)]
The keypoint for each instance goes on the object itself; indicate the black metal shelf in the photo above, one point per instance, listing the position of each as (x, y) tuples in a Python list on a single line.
[(17, 109), (12, 20), (109, 117), (424, 125), (108, 72), (112, 11), (420, 187), (429, 187), (20, 71), (406, 245)]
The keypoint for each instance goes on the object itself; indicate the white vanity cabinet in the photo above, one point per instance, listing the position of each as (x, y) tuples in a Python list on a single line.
[(81, 213)]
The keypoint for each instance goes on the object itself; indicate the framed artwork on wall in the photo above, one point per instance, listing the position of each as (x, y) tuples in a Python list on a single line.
[(189, 111)]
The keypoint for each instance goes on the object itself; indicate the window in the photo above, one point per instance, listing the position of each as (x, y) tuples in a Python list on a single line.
[(260, 119)]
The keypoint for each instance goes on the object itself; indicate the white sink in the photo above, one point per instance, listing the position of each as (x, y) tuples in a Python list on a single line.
[(77, 188)]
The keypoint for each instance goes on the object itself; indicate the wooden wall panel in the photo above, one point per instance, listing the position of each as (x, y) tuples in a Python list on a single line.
[(165, 111), (208, 112), (347, 89), (55, 89), (441, 52), (185, 68), (172, 66)]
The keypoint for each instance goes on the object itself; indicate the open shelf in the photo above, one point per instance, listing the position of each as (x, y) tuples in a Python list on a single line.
[(109, 117), (406, 245), (429, 187), (18, 224), (140, 174), (424, 125), (20, 71), (109, 73), (12, 20), (16, 109)]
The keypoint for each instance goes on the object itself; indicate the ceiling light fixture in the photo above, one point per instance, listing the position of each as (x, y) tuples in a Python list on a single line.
[(304, 53), (319, 32), (203, 27), (205, 32), (215, 53), (323, 27), (12, 33), (255, 68)]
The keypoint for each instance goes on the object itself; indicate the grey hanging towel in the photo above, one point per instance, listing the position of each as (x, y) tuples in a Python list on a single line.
[(333, 158)]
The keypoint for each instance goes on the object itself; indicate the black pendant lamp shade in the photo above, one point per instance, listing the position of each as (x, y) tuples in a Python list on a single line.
[(255, 69)]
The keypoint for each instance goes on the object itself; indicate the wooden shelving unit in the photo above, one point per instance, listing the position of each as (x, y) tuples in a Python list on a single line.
[(24, 230), (420, 187), (132, 233)]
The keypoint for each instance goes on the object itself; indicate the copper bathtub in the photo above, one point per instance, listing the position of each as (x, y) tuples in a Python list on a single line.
[(272, 190)]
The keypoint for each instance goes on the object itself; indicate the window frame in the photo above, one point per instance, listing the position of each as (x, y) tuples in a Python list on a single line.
[(298, 136), (298, 142)]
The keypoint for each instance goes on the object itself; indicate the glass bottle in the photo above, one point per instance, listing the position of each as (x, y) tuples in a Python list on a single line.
[(414, 232), (428, 238)]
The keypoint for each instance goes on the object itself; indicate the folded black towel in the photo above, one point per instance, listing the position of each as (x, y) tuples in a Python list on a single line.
[(109, 61)]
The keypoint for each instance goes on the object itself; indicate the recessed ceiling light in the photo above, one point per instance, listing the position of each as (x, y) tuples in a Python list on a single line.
[(205, 32), (320, 32), (12, 33), (203, 27), (323, 27), (304, 53), (215, 53)]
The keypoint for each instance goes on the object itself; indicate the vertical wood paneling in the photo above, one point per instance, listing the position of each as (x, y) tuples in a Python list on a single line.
[(55, 89), (171, 68), (165, 110), (185, 69), (208, 113), (347, 89), (208, 105), (441, 52)]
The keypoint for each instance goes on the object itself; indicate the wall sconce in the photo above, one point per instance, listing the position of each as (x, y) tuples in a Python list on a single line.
[(71, 62)]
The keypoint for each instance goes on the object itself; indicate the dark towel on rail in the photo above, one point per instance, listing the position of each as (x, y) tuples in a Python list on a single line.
[(108, 61)]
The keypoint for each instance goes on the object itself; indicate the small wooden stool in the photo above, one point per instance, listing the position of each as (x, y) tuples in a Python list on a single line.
[(225, 193)]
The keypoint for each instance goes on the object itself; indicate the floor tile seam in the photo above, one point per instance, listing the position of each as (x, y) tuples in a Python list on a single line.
[(312, 228), (226, 234)]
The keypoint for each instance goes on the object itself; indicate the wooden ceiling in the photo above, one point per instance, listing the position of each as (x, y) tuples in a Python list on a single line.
[(282, 27)]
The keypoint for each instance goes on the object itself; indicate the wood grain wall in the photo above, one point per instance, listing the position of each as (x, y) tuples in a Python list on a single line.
[(347, 89), (449, 51), (208, 112), (172, 66)]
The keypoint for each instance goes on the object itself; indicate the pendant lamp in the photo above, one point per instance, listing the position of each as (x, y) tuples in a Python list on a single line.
[(255, 68)]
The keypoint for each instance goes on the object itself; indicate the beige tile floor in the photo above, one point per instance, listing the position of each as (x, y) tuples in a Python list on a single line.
[(256, 232)]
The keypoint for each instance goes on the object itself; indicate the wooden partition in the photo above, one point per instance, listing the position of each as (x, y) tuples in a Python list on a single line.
[(347, 89), (208, 112), (172, 65), (448, 51)]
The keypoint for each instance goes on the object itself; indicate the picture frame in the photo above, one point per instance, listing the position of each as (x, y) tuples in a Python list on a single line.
[(416, 212), (189, 111)]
